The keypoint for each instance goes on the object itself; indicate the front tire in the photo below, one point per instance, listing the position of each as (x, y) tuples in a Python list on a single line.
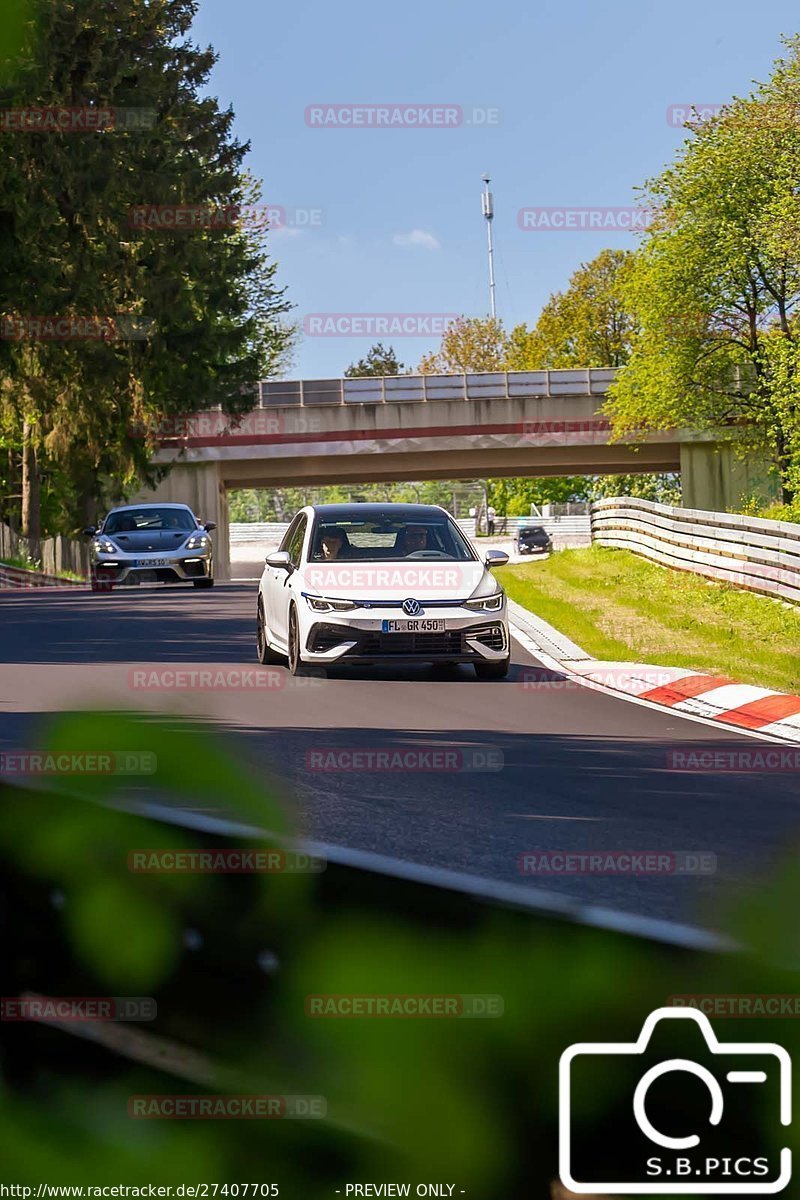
[(265, 654), (492, 670), (203, 583), (295, 666)]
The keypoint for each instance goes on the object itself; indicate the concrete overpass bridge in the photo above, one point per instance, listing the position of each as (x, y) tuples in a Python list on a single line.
[(395, 428)]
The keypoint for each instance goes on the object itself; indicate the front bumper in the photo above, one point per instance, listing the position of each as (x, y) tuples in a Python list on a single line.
[(467, 637), (143, 568)]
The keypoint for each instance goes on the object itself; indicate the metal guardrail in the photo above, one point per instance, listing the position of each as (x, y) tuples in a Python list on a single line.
[(387, 389), (750, 552)]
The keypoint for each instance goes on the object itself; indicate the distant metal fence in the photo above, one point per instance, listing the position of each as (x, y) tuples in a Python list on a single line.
[(256, 531), (566, 527), (578, 526), (750, 552), (386, 389)]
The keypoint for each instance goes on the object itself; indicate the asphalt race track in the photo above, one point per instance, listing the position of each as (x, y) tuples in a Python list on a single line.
[(583, 771)]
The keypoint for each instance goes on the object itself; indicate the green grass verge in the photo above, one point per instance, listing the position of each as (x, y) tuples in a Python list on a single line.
[(618, 606), (24, 564)]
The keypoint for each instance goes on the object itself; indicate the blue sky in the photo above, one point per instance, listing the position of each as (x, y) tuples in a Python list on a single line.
[(573, 99)]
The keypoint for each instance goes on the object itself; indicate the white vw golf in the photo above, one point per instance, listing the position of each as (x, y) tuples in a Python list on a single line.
[(379, 583)]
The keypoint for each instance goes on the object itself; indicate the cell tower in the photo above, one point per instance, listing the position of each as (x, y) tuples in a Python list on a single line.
[(487, 205)]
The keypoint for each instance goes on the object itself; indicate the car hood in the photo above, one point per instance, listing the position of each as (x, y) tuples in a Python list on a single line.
[(410, 579), (150, 539)]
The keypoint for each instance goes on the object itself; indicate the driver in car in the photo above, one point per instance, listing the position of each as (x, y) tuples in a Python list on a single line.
[(416, 538), (331, 543)]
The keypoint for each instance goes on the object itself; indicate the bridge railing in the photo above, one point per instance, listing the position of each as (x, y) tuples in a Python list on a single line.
[(750, 552), (388, 389)]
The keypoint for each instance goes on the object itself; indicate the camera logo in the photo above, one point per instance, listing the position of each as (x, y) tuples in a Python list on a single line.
[(684, 1126)]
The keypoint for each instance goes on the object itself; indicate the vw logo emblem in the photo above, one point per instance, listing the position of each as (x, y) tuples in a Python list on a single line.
[(411, 607)]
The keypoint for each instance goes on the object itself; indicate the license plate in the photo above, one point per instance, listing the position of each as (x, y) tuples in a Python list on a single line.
[(420, 626), (152, 562)]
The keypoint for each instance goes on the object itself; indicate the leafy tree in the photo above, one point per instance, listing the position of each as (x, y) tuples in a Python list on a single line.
[(468, 344), (513, 497), (588, 325), (715, 285), (662, 487), (379, 361), (199, 310), (278, 504)]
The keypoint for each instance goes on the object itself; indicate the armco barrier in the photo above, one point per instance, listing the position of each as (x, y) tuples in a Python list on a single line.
[(16, 578), (750, 552)]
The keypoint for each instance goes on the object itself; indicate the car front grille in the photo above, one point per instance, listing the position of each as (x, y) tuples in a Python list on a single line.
[(195, 570), (374, 644), (491, 637), (327, 637), (449, 641)]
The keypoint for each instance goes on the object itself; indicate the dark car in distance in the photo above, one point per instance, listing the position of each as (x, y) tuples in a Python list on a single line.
[(533, 539)]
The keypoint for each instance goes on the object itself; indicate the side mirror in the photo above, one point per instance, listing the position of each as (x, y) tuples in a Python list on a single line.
[(279, 559), (90, 531), (209, 525), (496, 558)]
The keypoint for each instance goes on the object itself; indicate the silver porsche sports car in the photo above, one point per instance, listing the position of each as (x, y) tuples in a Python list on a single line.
[(151, 543)]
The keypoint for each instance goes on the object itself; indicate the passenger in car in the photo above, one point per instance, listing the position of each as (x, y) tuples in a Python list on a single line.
[(331, 543)]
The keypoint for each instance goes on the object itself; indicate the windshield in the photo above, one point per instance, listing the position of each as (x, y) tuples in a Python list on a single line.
[(131, 520), (370, 540), (530, 530)]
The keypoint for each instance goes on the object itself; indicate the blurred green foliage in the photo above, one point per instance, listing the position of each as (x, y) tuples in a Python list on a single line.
[(15, 29), (469, 1100)]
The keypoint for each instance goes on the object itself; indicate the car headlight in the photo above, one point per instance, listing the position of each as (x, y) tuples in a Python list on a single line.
[(491, 601), (104, 546), (323, 604), (197, 541), (486, 603)]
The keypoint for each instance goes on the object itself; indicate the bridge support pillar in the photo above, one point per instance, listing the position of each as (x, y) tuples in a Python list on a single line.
[(714, 478), (200, 486)]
